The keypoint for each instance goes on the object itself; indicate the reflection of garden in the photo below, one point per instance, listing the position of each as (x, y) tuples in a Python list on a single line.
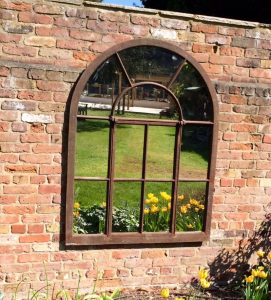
[(92, 161)]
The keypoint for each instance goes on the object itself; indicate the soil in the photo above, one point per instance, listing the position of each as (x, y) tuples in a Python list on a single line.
[(154, 294)]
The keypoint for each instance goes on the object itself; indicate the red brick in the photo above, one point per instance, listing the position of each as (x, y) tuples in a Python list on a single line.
[(10, 38), (21, 168), (7, 199), (85, 35), (18, 228), (39, 179), (10, 158), (20, 210), (27, 17), (7, 259), (66, 256), (35, 95), (48, 189), (35, 138), (236, 216), (19, 189), (72, 44), (16, 5), (142, 20), (4, 71), (202, 48), (35, 228), (205, 28), (52, 86), (241, 146), (155, 253), (70, 22), (47, 148), (20, 50), (37, 218), (267, 138), (34, 238), (10, 219), (8, 137), (226, 182), (36, 159), (32, 257), (134, 30), (249, 208), (259, 73), (49, 170), (85, 56), (48, 209), (239, 182)]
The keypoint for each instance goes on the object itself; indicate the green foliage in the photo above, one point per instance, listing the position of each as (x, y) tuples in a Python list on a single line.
[(258, 283), (92, 219)]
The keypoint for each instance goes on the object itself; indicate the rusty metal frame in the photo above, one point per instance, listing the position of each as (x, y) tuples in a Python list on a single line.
[(112, 238)]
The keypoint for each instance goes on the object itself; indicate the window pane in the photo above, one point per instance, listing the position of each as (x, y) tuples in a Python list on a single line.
[(190, 206), (129, 151), (126, 206), (193, 94), (147, 102), (150, 63), (102, 88), (195, 152), (157, 206), (160, 155), (89, 207), (91, 155)]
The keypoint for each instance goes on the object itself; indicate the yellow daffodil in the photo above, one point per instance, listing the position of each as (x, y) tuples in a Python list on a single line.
[(249, 279), (148, 201), (201, 206), (103, 205), (190, 226), (76, 205), (154, 200), (150, 195), (165, 293), (165, 196), (203, 274), (154, 209), (146, 211), (269, 256), (179, 298), (76, 214), (169, 205), (196, 209), (181, 197), (194, 202), (260, 253), (260, 268), (254, 273), (262, 274), (188, 205), (164, 209), (183, 209), (204, 283)]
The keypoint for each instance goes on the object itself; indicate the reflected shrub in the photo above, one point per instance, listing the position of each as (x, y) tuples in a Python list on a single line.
[(157, 214)]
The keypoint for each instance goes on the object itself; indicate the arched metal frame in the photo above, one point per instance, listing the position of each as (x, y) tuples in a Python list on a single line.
[(139, 237)]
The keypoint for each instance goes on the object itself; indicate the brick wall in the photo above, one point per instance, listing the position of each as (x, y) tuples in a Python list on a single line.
[(44, 47)]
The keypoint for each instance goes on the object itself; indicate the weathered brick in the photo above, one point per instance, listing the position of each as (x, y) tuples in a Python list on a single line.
[(85, 56), (48, 9), (19, 127), (102, 27), (52, 86), (217, 39), (56, 53), (174, 24), (81, 13), (139, 30), (70, 22), (35, 138), (13, 27), (40, 41), (85, 35), (164, 33), (18, 105), (27, 17)]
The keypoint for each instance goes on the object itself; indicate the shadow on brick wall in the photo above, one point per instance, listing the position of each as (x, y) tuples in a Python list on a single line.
[(230, 266)]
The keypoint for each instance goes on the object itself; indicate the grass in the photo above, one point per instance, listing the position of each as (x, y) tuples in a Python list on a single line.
[(92, 144)]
